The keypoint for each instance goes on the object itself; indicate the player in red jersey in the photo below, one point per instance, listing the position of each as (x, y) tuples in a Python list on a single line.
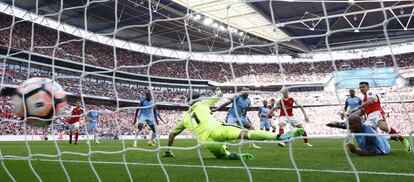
[(286, 115), (375, 115), (272, 122), (74, 122)]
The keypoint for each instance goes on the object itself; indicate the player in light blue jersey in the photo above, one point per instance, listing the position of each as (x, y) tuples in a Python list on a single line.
[(352, 102), (146, 114), (369, 145), (237, 114), (92, 124), (263, 114)]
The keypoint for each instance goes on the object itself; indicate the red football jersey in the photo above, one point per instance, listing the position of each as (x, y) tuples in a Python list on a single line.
[(75, 112), (270, 108), (288, 104), (376, 106)]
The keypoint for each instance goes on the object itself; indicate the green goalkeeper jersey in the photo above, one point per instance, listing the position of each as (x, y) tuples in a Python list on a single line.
[(199, 120)]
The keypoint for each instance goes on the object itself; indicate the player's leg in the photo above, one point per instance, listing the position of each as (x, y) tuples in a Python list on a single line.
[(282, 123), (267, 125), (138, 132), (262, 124), (230, 132), (248, 125), (71, 128), (232, 120), (45, 132), (95, 133), (76, 131), (295, 123), (383, 125), (151, 141), (222, 134), (305, 135)]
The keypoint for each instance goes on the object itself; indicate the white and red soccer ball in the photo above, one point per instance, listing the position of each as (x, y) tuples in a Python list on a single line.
[(38, 100)]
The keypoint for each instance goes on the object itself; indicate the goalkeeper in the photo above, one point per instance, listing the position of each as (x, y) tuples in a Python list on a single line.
[(202, 124)]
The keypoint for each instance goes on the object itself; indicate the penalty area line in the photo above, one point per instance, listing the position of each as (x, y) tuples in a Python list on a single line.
[(225, 167)]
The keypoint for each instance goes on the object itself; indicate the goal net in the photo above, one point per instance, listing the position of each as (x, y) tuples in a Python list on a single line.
[(108, 54)]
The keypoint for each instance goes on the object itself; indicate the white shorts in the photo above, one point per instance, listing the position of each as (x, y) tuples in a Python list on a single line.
[(74, 126), (289, 119), (373, 118)]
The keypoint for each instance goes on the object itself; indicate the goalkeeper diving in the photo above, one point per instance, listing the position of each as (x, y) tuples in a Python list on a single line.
[(207, 129)]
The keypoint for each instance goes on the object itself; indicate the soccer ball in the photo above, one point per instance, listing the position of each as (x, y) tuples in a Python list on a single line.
[(33, 101)]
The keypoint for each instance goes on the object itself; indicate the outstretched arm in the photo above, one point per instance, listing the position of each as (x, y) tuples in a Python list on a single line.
[(274, 109), (346, 105), (222, 106), (302, 109), (353, 149), (136, 115)]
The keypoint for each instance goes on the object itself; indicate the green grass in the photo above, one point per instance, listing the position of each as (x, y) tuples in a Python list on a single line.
[(326, 161)]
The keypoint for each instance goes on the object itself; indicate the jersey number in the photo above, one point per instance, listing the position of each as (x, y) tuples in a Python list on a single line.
[(195, 118)]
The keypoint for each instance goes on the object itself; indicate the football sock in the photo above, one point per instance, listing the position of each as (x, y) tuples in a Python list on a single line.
[(70, 137), (281, 131), (393, 131), (76, 137), (306, 138)]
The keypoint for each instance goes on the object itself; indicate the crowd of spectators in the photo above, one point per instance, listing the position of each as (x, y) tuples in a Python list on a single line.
[(50, 42), (119, 122)]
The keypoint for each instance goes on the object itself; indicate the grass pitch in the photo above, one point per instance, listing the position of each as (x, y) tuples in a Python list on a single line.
[(326, 161)]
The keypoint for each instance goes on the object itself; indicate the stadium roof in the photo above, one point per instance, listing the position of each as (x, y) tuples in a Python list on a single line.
[(301, 26)]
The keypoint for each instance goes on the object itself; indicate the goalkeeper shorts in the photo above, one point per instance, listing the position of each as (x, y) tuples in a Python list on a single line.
[(222, 134)]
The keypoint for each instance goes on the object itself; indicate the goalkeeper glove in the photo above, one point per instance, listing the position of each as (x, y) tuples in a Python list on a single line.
[(217, 91)]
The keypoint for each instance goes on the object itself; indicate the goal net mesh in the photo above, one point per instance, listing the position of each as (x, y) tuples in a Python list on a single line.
[(92, 67)]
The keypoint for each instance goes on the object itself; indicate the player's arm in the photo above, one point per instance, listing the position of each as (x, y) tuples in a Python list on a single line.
[(213, 99), (302, 109), (136, 116), (353, 149), (218, 95), (346, 105), (259, 112), (85, 116), (158, 115), (369, 101), (274, 109)]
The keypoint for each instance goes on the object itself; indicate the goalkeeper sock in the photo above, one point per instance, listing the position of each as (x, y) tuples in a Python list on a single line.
[(260, 135)]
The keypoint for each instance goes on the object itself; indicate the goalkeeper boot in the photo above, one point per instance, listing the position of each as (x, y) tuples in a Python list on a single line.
[(406, 144), (237, 156), (254, 146), (294, 133)]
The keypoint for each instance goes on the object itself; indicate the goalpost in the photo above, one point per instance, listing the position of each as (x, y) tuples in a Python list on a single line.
[(14, 46)]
